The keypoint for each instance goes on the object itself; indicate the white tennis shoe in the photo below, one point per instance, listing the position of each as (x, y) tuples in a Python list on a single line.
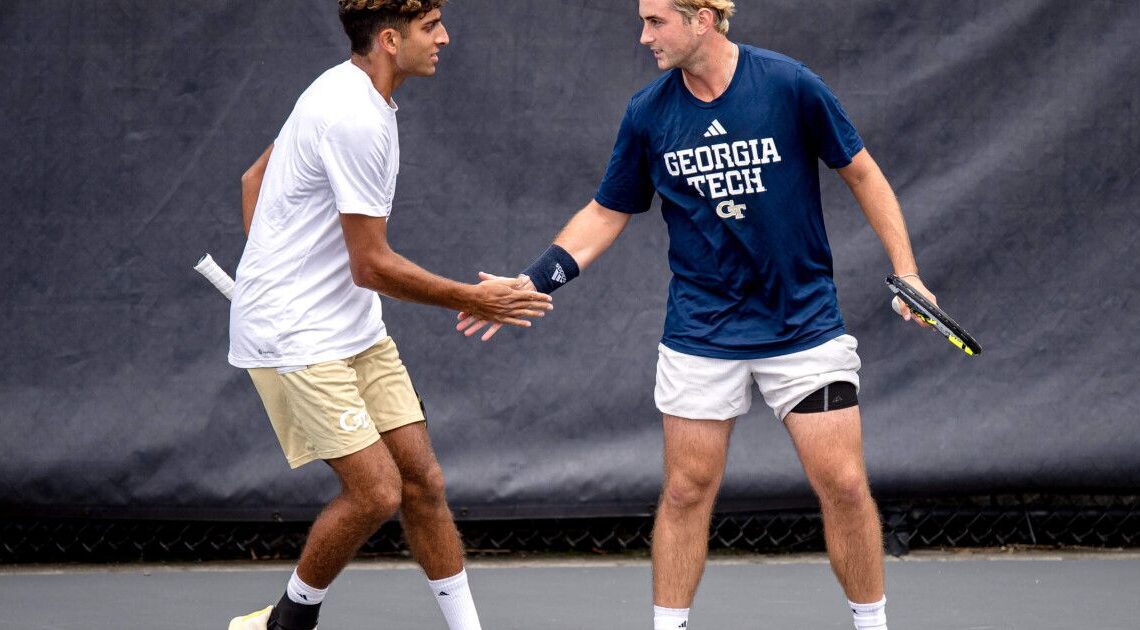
[(253, 621)]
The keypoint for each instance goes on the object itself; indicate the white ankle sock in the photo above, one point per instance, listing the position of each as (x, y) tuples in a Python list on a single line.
[(455, 602), (302, 593), (670, 618), (870, 616)]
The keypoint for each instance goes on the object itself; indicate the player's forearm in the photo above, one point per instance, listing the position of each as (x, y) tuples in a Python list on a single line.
[(395, 276), (251, 188), (591, 232), (882, 210), (885, 216), (249, 192)]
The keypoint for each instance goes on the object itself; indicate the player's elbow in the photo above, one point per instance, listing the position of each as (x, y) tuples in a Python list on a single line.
[(363, 274), (369, 272)]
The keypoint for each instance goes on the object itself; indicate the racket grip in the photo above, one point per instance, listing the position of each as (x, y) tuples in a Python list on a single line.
[(216, 275)]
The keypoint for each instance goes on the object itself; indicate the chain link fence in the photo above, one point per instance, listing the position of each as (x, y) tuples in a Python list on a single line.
[(995, 521)]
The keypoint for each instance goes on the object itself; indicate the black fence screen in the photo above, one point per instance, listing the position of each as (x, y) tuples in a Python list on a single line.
[(1023, 520)]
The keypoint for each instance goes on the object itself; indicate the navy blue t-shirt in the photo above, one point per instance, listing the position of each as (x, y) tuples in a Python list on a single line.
[(739, 185)]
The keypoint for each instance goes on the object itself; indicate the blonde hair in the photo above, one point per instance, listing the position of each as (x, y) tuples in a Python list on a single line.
[(724, 9)]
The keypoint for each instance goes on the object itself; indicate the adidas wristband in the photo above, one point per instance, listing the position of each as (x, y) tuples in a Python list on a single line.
[(554, 268)]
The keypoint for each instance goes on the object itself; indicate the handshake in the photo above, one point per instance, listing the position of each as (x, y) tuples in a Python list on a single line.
[(499, 300)]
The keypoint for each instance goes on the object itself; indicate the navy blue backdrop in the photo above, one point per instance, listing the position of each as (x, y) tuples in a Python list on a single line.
[(1008, 129)]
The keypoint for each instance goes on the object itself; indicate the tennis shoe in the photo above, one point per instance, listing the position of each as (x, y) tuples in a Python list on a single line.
[(253, 621)]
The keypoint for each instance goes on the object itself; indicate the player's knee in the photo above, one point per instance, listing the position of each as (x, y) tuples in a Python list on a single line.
[(689, 491), (378, 502), (845, 488), (425, 487)]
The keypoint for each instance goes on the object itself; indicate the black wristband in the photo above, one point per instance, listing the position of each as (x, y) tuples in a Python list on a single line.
[(554, 268)]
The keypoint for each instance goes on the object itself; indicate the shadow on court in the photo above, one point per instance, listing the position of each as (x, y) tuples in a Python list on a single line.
[(931, 591)]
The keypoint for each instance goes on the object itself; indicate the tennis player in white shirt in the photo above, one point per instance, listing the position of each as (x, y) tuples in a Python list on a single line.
[(306, 315)]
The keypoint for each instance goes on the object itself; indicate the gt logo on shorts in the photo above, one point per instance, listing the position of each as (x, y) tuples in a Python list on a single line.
[(354, 420), (730, 210)]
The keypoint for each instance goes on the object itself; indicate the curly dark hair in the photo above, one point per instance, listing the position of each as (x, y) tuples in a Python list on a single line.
[(363, 19)]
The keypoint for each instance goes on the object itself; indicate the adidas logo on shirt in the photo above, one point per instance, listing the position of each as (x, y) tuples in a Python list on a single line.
[(559, 275), (715, 129)]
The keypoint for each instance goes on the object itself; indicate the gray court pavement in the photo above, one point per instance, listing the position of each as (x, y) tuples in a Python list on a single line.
[(928, 591)]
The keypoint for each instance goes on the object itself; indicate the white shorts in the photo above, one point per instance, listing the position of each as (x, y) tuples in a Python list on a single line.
[(703, 388)]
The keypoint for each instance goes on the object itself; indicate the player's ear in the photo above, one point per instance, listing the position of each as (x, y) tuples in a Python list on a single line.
[(389, 40), (706, 20)]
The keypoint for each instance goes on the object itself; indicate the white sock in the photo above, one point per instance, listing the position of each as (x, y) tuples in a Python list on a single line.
[(455, 602), (870, 616), (670, 618), (302, 593)]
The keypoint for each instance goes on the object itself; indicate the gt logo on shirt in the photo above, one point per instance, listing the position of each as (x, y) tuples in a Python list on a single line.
[(730, 210)]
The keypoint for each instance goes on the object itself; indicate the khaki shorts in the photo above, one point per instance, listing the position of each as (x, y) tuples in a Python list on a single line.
[(337, 408), (703, 388)]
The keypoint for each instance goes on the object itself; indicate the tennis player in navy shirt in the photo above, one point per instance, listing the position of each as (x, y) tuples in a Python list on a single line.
[(730, 138)]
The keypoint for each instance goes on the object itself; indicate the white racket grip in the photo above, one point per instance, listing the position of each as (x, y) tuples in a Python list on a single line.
[(216, 275)]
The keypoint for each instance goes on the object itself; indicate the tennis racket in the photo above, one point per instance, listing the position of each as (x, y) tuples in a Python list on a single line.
[(937, 318), (216, 275)]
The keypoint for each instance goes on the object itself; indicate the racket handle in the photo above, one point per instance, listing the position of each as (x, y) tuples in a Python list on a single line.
[(216, 275), (897, 304)]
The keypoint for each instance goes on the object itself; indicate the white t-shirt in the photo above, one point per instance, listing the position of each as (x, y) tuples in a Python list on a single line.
[(295, 302)]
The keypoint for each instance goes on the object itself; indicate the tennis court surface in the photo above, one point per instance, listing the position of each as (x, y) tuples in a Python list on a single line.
[(928, 590)]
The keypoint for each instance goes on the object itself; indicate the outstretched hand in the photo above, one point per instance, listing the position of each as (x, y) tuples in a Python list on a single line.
[(470, 323)]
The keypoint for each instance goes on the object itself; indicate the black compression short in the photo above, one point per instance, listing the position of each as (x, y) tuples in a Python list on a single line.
[(838, 395)]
